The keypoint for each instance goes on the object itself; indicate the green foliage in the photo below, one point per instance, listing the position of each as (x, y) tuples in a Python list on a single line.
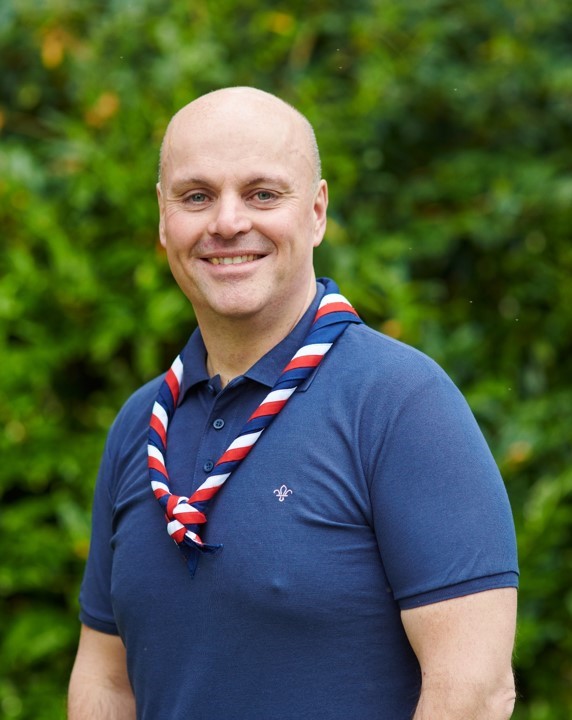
[(444, 130)]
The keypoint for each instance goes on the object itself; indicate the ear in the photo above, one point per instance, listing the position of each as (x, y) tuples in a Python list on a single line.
[(320, 212), (162, 234)]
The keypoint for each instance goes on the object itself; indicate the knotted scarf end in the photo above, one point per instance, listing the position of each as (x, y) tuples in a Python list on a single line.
[(192, 552)]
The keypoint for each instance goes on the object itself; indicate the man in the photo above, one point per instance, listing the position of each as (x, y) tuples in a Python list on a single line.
[(368, 565)]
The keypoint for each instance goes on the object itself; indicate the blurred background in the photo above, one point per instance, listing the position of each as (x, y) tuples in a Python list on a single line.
[(445, 130)]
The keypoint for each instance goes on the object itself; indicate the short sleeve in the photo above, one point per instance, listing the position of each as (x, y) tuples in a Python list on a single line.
[(441, 511), (95, 594)]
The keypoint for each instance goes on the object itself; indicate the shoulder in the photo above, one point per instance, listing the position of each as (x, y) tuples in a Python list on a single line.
[(365, 340), (132, 420), (385, 390), (141, 401), (374, 357)]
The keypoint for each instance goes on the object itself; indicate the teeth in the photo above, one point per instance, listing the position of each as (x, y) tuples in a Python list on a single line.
[(236, 260)]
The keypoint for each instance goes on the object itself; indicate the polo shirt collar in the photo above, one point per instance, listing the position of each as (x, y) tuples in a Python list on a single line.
[(266, 370)]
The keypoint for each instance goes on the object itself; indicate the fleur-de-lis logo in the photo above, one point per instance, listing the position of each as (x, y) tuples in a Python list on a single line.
[(282, 493)]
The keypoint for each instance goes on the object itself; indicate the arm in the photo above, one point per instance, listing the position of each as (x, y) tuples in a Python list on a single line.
[(99, 687), (464, 647)]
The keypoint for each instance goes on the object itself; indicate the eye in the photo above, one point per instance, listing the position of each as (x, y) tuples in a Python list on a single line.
[(264, 195), (196, 198)]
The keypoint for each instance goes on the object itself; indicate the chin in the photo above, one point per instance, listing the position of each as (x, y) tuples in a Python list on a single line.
[(235, 301), (233, 309)]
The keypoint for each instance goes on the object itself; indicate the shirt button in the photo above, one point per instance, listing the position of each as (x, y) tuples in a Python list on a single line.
[(208, 466), (218, 424)]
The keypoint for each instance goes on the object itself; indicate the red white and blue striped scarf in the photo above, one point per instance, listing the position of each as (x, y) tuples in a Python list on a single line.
[(185, 515)]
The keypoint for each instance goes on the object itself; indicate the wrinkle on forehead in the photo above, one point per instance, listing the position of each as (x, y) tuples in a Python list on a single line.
[(239, 107)]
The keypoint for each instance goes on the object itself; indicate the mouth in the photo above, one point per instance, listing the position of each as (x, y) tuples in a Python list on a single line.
[(234, 260)]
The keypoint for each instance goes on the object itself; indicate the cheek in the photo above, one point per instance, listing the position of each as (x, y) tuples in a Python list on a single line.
[(181, 226), (291, 235)]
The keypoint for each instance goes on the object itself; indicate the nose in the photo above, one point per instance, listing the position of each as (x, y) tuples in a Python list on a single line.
[(230, 217)]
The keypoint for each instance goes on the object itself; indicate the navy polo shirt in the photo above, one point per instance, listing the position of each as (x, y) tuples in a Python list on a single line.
[(372, 491)]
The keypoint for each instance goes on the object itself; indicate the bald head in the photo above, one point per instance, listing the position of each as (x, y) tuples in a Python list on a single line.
[(237, 105)]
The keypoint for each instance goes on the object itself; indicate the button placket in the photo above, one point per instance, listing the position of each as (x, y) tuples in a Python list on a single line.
[(216, 443), (217, 424)]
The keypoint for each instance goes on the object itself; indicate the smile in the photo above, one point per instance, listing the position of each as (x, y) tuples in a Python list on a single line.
[(235, 260)]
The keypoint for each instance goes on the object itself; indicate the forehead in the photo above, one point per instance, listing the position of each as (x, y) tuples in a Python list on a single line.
[(251, 136)]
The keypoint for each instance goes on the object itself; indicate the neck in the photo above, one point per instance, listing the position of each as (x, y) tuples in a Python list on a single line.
[(235, 344)]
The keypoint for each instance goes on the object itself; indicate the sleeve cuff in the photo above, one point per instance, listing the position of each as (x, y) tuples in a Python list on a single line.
[(468, 587)]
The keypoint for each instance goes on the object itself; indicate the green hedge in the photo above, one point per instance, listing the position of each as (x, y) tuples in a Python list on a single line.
[(445, 132)]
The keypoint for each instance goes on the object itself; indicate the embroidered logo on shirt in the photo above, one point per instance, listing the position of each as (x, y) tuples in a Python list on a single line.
[(282, 493)]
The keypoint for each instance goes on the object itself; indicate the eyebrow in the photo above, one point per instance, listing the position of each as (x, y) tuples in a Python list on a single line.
[(186, 182), (267, 180)]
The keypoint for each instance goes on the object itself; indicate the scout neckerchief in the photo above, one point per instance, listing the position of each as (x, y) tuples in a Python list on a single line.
[(184, 515)]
